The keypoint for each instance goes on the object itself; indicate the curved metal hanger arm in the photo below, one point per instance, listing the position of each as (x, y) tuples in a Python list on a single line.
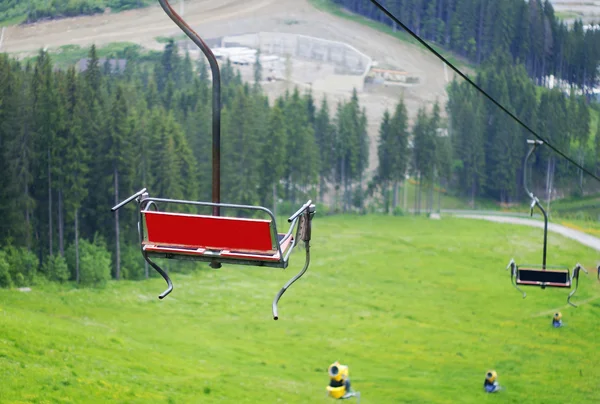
[(513, 275), (303, 232), (534, 200), (575, 276), (216, 101)]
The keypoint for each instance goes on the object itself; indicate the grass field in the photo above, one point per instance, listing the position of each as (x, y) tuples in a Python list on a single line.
[(419, 309)]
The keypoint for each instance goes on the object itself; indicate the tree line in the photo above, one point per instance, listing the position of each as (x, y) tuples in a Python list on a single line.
[(528, 30), (489, 146), (73, 144), (479, 151)]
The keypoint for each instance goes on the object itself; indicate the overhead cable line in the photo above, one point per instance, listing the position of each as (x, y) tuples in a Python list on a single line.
[(464, 76)]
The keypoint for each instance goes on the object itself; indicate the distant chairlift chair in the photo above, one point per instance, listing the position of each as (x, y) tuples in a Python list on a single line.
[(544, 275), (217, 239)]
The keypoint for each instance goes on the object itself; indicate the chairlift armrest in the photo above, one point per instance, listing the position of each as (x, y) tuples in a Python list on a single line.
[(290, 231), (300, 211), (511, 264), (126, 201)]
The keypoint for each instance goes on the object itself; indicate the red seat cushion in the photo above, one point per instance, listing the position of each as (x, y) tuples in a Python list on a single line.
[(208, 232)]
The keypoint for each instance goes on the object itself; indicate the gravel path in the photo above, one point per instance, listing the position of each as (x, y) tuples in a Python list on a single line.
[(583, 238)]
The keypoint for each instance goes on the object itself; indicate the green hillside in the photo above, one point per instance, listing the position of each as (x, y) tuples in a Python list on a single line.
[(419, 309)]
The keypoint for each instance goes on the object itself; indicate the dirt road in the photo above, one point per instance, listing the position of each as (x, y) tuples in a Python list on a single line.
[(583, 238)]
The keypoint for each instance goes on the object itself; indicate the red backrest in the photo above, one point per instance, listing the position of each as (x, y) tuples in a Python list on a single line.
[(218, 232)]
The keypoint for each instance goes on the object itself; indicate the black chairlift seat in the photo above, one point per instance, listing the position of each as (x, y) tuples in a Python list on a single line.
[(555, 277), (552, 277)]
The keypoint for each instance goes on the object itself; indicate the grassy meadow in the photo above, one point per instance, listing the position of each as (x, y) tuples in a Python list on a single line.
[(419, 309)]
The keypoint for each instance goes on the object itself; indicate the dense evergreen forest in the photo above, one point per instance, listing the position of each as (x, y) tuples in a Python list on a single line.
[(34, 10), (475, 29), (73, 144), (489, 146)]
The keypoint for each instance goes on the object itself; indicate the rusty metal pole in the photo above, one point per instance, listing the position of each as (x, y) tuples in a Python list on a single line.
[(216, 101)]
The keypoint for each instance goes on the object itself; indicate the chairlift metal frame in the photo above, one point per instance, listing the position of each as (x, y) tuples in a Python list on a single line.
[(243, 250), (542, 275)]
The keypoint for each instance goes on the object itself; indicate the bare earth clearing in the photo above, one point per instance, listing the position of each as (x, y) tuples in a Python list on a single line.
[(588, 11), (236, 17)]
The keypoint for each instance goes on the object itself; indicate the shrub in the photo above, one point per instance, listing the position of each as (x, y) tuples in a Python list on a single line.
[(55, 269), (5, 279)]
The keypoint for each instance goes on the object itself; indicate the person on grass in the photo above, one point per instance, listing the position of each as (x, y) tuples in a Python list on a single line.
[(557, 320), (491, 383)]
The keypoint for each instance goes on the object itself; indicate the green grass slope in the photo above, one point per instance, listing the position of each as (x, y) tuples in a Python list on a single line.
[(419, 309)]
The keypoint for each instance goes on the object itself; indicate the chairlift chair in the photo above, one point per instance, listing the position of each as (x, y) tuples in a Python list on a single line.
[(542, 275), (215, 238)]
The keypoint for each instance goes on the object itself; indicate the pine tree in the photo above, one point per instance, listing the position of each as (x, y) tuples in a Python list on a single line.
[(60, 142), (16, 154), (582, 132), (257, 69), (384, 156), (240, 144), (119, 159), (273, 154), (302, 154), (167, 183), (76, 159), (45, 126), (169, 67), (421, 151), (325, 139), (93, 76), (398, 146)]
